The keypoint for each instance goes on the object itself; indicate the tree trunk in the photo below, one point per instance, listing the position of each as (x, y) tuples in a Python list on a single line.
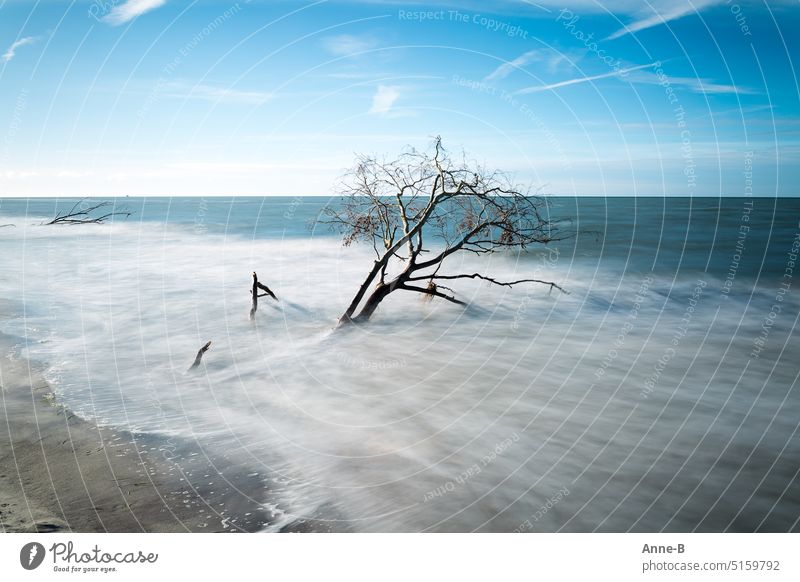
[(347, 317), (378, 295), (254, 293)]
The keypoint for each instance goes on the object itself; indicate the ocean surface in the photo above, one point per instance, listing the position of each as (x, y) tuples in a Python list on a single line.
[(659, 393)]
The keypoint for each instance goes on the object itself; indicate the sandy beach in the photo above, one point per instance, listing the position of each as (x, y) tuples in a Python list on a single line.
[(59, 473)]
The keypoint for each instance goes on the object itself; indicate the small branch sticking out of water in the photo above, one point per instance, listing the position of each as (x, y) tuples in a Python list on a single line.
[(6, 225), (199, 357), (255, 294)]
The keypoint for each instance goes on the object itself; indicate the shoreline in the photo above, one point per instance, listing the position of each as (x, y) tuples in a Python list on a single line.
[(59, 473)]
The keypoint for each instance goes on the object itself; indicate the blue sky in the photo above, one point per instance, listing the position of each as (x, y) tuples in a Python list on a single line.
[(167, 97)]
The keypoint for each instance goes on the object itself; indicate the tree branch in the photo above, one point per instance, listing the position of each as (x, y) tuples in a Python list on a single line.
[(433, 291), (77, 216), (492, 280), (199, 356)]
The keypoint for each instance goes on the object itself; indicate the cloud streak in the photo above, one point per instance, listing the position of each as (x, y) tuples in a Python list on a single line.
[(553, 59), (670, 13), (178, 90), (579, 80), (346, 44), (641, 76), (506, 69), (130, 10), (694, 84), (12, 50)]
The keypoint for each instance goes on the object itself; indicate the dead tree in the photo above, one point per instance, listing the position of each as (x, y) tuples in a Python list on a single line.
[(199, 357), (254, 292), (81, 213), (423, 207)]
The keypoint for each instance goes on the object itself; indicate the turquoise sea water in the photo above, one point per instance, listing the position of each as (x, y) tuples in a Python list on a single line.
[(659, 394)]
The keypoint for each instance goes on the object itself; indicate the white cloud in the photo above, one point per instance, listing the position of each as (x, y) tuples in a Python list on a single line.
[(131, 9), (551, 86), (384, 98), (347, 44), (12, 50), (663, 14)]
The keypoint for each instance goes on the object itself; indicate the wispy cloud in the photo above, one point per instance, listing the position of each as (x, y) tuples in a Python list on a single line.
[(12, 50), (506, 69), (694, 84), (551, 58), (347, 44), (131, 9), (662, 15), (551, 86), (642, 76), (384, 99), (215, 94)]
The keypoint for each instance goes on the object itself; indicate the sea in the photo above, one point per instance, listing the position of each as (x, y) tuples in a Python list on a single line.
[(658, 392)]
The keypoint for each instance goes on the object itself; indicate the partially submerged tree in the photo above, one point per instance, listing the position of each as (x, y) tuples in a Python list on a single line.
[(423, 207), (82, 212), (255, 294)]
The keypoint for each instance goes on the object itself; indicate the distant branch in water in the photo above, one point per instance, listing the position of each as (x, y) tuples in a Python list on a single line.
[(82, 213), (6, 225), (254, 292), (199, 357)]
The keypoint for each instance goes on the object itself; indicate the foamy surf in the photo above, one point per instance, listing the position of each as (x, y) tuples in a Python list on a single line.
[(629, 396)]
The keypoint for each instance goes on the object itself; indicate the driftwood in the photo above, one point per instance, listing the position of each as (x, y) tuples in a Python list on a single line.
[(6, 225), (199, 357), (255, 294), (77, 215)]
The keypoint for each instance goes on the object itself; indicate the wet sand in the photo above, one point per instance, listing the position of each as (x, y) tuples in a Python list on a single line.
[(60, 473)]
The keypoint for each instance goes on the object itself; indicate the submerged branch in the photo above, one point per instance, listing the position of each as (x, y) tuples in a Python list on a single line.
[(199, 357), (255, 294)]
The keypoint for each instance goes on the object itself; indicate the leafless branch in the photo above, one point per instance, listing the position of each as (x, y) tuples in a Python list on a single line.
[(199, 357), (81, 213), (492, 280)]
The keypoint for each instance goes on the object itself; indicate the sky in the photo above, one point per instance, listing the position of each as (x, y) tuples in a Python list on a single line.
[(277, 97)]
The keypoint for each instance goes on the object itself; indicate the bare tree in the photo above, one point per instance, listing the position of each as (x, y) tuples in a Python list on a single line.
[(81, 213), (421, 208)]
